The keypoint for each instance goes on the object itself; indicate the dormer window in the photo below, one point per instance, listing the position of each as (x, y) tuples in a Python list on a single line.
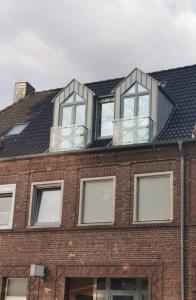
[(105, 117), (72, 120), (135, 102), (73, 111)]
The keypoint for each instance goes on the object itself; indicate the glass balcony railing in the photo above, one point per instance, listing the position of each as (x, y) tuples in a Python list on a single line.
[(132, 131), (68, 138)]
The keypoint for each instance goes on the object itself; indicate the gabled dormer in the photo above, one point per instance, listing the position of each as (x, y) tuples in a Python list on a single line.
[(141, 109), (72, 118)]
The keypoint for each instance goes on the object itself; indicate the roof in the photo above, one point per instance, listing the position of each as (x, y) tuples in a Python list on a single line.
[(37, 109)]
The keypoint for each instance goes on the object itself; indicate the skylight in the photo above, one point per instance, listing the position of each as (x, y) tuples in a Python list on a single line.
[(17, 129)]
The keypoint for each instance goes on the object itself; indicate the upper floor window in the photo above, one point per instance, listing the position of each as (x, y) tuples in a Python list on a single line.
[(16, 288), (136, 102), (73, 111), (46, 204), (153, 197), (105, 118), (7, 197)]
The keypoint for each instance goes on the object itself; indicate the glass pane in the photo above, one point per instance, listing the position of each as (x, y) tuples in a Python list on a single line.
[(101, 296), (141, 89), (128, 109), (144, 284), (107, 117), (143, 135), (70, 99), (143, 106), (17, 129), (49, 209), (121, 297), (67, 115), (81, 288), (16, 287), (79, 99), (5, 208), (80, 115), (98, 201), (101, 283), (127, 284), (132, 90)]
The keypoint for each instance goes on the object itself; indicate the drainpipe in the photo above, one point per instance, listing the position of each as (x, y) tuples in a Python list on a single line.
[(182, 205)]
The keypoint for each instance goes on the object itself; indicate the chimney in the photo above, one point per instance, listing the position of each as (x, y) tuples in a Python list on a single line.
[(22, 89)]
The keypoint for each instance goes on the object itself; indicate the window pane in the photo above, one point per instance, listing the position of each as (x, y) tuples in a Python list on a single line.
[(67, 114), (5, 208), (80, 115), (17, 129), (98, 201), (132, 90), (127, 284), (121, 297), (49, 209), (128, 109), (141, 89), (107, 117), (144, 106), (79, 99), (101, 283), (154, 198), (70, 99), (16, 287)]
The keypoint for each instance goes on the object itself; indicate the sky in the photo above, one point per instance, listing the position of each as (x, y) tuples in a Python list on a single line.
[(50, 42)]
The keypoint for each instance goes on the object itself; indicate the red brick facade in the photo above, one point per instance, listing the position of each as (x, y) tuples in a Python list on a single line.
[(120, 250)]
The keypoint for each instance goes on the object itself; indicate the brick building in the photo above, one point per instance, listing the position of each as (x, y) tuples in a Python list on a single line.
[(97, 190)]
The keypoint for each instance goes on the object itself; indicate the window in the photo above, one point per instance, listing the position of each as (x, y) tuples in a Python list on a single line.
[(106, 117), (46, 204), (73, 111), (17, 129), (7, 198), (153, 197), (97, 200), (136, 102), (16, 289)]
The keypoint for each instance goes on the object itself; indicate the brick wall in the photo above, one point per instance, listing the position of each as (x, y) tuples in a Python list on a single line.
[(123, 249)]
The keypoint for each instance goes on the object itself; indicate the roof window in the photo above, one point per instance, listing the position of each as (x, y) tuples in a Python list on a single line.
[(17, 129)]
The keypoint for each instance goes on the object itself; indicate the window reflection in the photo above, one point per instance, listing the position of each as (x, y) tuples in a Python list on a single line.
[(107, 117)]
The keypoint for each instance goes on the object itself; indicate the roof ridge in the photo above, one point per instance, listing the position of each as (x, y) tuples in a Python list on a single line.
[(106, 80), (172, 69), (36, 92)]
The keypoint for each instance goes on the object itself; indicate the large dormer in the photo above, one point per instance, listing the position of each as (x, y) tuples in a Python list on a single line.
[(133, 112), (72, 118), (141, 109)]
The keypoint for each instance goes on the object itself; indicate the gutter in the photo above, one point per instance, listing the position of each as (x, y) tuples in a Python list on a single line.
[(182, 216)]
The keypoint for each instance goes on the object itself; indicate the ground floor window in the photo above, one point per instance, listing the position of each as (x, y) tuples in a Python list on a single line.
[(16, 289), (108, 289)]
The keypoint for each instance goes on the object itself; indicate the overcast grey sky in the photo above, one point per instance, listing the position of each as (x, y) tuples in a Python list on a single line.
[(49, 42)]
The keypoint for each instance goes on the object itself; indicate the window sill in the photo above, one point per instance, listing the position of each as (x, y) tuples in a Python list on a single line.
[(95, 224), (6, 228), (44, 226), (152, 222)]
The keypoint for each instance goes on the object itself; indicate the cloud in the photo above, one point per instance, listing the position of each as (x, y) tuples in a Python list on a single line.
[(49, 42)]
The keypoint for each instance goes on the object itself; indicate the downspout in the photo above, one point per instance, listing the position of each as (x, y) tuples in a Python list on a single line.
[(182, 214)]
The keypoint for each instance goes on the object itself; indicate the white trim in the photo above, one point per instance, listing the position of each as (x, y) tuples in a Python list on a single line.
[(135, 200), (82, 181), (9, 189), (45, 184)]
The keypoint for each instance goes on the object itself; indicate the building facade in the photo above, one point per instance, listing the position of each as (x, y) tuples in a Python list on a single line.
[(97, 190)]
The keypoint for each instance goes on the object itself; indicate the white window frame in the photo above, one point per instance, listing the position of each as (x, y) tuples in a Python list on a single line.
[(82, 181), (135, 202), (9, 189), (14, 297), (43, 185)]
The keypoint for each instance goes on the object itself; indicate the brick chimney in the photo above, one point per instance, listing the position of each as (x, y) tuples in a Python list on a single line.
[(21, 90)]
